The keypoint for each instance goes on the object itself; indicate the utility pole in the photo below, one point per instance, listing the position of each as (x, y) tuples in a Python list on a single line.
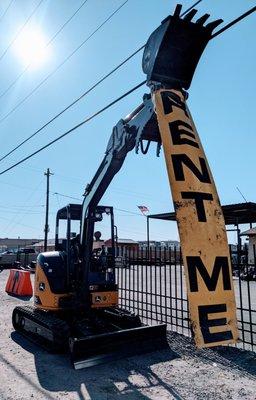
[(48, 173)]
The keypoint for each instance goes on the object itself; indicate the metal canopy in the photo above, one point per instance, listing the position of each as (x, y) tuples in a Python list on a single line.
[(74, 209), (242, 213), (234, 214), (164, 216)]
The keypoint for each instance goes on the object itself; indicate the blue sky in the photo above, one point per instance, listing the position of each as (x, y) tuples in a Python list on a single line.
[(221, 101)]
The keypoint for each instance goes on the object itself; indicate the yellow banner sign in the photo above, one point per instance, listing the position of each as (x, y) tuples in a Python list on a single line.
[(200, 222)]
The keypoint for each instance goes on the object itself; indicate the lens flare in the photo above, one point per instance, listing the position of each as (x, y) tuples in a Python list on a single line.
[(31, 48)]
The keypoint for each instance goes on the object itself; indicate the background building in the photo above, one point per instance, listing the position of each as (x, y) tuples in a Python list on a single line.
[(15, 244), (251, 233), (157, 244)]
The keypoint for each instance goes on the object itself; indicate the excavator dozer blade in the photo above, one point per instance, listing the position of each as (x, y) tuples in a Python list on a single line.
[(99, 349)]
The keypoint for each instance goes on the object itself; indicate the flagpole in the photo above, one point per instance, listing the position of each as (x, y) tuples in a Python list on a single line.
[(147, 237)]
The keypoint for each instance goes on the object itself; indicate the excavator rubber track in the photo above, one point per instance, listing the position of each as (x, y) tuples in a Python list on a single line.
[(42, 328), (112, 335)]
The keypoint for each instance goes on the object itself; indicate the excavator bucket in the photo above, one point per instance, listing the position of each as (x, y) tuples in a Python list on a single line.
[(99, 349), (173, 50)]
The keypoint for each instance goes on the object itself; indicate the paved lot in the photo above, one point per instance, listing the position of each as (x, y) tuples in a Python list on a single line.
[(182, 372)]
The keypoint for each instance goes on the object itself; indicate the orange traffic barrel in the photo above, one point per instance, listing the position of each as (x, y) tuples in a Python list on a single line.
[(19, 283)]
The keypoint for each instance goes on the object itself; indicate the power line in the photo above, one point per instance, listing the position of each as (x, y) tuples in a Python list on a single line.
[(190, 8), (235, 21), (72, 104), (83, 94), (50, 41), (134, 195), (117, 209), (64, 195), (4, 13), (16, 218), (18, 223), (16, 186), (67, 22), (61, 64), (21, 29), (115, 101), (20, 206), (129, 212), (27, 213), (75, 127)]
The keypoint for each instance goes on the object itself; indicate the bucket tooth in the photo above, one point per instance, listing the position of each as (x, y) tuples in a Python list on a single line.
[(190, 15), (202, 19), (212, 25), (177, 10)]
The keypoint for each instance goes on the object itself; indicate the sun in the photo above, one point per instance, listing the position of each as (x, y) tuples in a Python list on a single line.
[(31, 48)]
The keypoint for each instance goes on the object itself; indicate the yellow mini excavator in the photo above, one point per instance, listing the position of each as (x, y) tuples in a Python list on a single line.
[(75, 294)]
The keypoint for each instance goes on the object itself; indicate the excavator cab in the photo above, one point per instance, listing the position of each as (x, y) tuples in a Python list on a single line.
[(102, 256), (70, 213), (98, 258)]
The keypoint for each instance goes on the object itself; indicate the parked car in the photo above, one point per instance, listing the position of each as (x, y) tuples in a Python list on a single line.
[(23, 256), (26, 251), (248, 274)]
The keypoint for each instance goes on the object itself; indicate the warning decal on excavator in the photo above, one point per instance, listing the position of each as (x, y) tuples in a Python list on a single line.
[(201, 224)]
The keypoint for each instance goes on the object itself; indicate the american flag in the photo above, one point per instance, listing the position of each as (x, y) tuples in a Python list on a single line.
[(143, 209)]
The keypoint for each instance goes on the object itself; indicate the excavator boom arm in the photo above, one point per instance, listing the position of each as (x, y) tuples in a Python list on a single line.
[(126, 136)]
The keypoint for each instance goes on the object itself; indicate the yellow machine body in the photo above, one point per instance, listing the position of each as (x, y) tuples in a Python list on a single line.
[(46, 299), (104, 299)]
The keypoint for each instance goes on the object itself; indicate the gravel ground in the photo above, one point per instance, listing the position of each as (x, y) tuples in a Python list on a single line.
[(181, 372)]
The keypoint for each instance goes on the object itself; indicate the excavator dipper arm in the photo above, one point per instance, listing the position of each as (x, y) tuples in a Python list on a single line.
[(127, 135)]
